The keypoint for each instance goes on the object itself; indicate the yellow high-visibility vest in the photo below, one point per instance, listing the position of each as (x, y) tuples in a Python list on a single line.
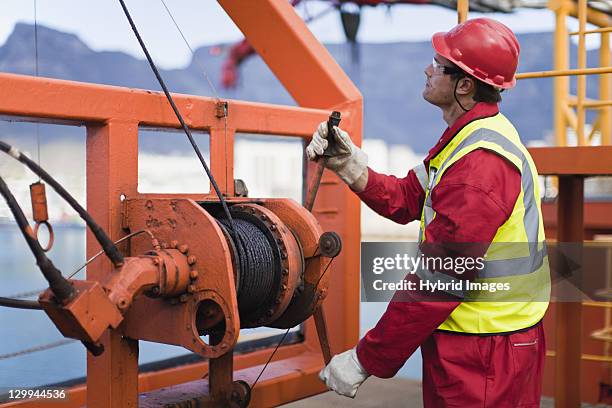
[(517, 255)]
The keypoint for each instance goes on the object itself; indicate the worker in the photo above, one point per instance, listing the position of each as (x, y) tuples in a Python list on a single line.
[(478, 184)]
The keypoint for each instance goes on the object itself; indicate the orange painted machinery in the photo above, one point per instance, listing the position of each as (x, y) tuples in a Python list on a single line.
[(197, 277)]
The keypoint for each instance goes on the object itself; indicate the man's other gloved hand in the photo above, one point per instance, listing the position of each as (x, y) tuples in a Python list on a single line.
[(344, 373), (347, 160)]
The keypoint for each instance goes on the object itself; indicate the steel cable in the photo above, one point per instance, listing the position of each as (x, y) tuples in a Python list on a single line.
[(61, 287), (22, 295), (178, 115), (109, 248), (37, 348), (193, 56), (256, 266), (287, 331)]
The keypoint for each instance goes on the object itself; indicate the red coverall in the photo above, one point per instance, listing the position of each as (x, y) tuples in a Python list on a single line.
[(472, 200)]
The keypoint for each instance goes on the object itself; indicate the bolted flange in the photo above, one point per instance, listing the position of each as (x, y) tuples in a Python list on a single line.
[(330, 244)]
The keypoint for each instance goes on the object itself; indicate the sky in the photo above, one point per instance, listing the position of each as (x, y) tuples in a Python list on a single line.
[(102, 25)]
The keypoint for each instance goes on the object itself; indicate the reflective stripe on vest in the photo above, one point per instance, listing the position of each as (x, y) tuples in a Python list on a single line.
[(506, 267), (421, 174), (522, 232)]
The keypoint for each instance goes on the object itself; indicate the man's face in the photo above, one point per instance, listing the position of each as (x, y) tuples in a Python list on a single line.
[(439, 86)]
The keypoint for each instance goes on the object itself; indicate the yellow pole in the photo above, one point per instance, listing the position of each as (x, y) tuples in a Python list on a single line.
[(582, 60), (564, 73), (463, 6), (605, 91), (570, 117), (561, 83), (597, 30), (591, 103), (594, 17), (594, 128)]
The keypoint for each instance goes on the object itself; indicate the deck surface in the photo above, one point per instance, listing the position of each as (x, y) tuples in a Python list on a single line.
[(375, 392), (389, 393)]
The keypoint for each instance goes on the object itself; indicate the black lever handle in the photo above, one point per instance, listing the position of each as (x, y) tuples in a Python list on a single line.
[(334, 120)]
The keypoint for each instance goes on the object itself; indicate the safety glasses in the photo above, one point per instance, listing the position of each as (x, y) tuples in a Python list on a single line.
[(443, 69)]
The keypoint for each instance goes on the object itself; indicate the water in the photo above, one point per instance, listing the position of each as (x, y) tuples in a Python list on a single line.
[(23, 329)]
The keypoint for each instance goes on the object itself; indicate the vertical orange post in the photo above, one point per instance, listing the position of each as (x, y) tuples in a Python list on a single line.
[(112, 170), (569, 314), (222, 158), (287, 46)]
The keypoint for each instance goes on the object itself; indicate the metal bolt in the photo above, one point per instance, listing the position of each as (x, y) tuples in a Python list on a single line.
[(284, 287), (173, 243), (270, 312), (284, 255), (193, 274), (264, 217), (183, 249), (155, 291), (149, 204), (273, 227), (191, 288), (191, 259), (285, 271), (156, 261)]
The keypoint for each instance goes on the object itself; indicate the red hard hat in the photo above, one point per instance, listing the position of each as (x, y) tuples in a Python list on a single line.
[(482, 47)]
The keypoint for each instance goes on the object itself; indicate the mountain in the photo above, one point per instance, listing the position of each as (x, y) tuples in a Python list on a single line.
[(390, 77)]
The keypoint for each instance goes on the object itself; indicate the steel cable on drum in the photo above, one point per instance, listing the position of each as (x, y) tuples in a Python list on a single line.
[(287, 331), (255, 264)]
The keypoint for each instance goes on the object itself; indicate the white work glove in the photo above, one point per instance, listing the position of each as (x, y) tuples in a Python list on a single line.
[(347, 160), (344, 373)]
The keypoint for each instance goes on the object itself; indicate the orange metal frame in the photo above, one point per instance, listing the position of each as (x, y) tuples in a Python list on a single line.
[(113, 116), (568, 372)]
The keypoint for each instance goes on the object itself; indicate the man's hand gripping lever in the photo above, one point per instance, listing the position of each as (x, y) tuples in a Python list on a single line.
[(343, 374), (339, 153)]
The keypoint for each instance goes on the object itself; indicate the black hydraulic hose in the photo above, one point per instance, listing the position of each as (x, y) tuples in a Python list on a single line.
[(61, 287), (178, 115), (20, 303), (107, 245)]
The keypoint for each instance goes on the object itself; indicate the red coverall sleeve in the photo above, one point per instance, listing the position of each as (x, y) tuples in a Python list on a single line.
[(473, 199), (399, 199)]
